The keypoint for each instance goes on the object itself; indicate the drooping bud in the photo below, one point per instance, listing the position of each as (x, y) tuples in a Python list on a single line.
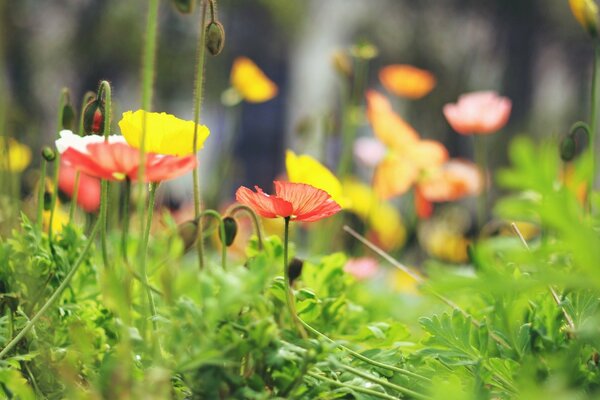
[(93, 117), (231, 229), (48, 153), (184, 6), (188, 232), (215, 37), (295, 269), (568, 148), (586, 13)]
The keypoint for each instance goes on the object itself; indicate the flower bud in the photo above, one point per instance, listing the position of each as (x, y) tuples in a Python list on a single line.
[(586, 13), (68, 117), (184, 6), (188, 232), (231, 229), (48, 153), (295, 269), (93, 117), (215, 37), (568, 148)]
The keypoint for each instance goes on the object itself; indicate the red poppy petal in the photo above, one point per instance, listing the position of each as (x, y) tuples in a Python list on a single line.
[(309, 203), (88, 195), (84, 163), (263, 204), (161, 168)]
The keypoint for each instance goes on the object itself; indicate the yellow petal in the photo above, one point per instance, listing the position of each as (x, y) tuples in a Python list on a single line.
[(19, 155), (251, 82), (305, 169), (165, 133), (586, 13), (381, 216)]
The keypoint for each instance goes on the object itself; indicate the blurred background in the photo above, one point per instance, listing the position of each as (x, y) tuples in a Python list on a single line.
[(532, 51)]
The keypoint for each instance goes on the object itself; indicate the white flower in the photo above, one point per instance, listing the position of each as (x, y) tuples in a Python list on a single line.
[(79, 143)]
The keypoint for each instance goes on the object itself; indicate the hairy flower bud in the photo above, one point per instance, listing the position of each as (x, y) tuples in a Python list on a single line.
[(568, 148), (93, 117), (295, 269), (231, 229), (215, 37), (48, 153)]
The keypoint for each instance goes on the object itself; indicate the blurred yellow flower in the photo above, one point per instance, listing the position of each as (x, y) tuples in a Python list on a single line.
[(60, 219), (15, 157), (251, 83), (586, 13), (305, 169), (404, 283), (165, 133), (382, 218)]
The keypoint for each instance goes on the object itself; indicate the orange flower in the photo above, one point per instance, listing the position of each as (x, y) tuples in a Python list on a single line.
[(250, 82), (407, 81), (478, 113), (117, 161), (297, 201)]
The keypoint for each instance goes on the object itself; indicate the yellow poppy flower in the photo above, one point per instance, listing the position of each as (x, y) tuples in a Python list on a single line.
[(60, 219), (383, 219), (251, 83), (586, 13), (165, 133), (305, 169), (14, 157)]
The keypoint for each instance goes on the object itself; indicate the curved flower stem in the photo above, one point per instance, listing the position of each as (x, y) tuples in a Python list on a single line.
[(104, 92), (125, 225), (41, 191), (219, 220), (64, 99), (362, 357), (355, 388), (145, 239), (382, 382), (54, 295), (289, 293), (241, 207), (73, 204), (481, 160), (198, 94), (594, 122)]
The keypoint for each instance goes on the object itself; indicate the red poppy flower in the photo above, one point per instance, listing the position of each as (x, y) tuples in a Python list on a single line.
[(88, 194), (298, 201), (117, 161)]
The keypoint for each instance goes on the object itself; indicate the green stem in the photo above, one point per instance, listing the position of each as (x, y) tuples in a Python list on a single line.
[(104, 92), (198, 96), (125, 226), (219, 220), (73, 204), (382, 382), (41, 191), (289, 293), (481, 160), (145, 239), (87, 97), (365, 358), (241, 207), (64, 99), (594, 122), (355, 388), (54, 295)]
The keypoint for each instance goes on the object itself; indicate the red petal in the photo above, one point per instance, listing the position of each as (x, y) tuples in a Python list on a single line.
[(309, 203), (161, 168), (263, 204), (84, 163), (88, 195)]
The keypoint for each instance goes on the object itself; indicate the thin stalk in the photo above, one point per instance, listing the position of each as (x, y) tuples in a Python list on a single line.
[(241, 207), (104, 92), (355, 388), (125, 226), (219, 220), (364, 358), (41, 190), (198, 97), (553, 293), (73, 204), (54, 295), (382, 382), (594, 122), (289, 294), (481, 160), (145, 239), (420, 280), (64, 99)]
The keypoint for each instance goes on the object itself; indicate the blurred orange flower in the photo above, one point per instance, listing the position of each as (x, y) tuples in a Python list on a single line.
[(478, 113), (250, 82), (407, 81)]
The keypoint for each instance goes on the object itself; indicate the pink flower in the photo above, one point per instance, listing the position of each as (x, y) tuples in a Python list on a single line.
[(478, 113), (88, 195), (362, 268), (369, 151)]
